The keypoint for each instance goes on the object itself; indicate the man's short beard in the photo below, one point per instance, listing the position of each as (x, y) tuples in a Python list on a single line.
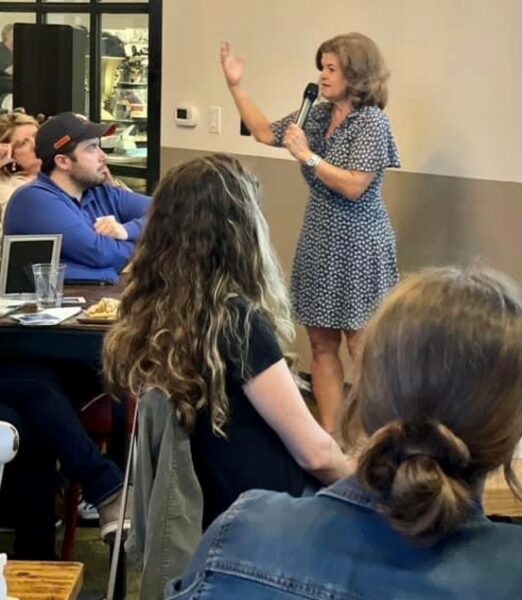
[(86, 182)]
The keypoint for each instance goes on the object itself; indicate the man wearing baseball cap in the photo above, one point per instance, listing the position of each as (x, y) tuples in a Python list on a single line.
[(99, 223)]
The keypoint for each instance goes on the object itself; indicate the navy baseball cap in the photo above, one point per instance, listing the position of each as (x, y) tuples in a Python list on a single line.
[(67, 128)]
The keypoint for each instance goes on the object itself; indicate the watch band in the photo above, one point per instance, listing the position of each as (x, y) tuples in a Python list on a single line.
[(313, 161)]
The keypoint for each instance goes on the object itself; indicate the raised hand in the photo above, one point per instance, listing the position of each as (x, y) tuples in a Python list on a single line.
[(232, 65)]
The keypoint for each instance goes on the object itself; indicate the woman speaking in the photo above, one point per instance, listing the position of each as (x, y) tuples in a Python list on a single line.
[(345, 260)]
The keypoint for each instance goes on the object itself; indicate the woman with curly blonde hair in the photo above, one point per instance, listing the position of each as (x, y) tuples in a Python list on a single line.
[(205, 319), (345, 260)]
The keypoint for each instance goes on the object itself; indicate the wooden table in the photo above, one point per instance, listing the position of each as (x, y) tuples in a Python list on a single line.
[(498, 498), (69, 341), (34, 580)]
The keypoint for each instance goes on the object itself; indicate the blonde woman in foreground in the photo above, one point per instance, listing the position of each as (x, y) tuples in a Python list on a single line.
[(436, 407), (205, 319)]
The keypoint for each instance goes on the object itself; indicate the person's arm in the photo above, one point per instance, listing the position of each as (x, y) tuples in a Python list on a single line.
[(6, 60), (350, 183), (131, 209), (256, 121), (80, 242), (276, 397), (125, 213)]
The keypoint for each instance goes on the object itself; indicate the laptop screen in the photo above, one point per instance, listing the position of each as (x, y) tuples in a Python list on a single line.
[(19, 253)]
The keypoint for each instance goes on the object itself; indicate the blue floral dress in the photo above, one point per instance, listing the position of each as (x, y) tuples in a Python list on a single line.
[(345, 260)]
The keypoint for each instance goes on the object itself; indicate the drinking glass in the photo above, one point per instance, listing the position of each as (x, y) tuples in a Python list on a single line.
[(48, 283)]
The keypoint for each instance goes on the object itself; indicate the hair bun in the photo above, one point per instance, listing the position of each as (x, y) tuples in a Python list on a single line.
[(423, 437), (418, 469)]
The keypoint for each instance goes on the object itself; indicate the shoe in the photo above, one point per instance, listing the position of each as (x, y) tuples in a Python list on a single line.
[(108, 531), (86, 511), (109, 515)]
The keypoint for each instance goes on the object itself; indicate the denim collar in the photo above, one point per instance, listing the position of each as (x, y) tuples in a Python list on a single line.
[(350, 490)]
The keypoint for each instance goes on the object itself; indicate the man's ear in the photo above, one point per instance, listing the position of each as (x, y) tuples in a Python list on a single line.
[(62, 162)]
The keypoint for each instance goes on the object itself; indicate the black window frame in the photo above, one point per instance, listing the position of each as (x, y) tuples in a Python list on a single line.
[(96, 10)]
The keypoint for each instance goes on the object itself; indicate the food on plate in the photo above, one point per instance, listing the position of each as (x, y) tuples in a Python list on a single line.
[(106, 308)]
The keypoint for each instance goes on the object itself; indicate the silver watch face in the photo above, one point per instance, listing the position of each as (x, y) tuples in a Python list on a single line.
[(312, 161)]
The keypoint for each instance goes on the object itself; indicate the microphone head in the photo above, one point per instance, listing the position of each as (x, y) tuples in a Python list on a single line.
[(311, 92)]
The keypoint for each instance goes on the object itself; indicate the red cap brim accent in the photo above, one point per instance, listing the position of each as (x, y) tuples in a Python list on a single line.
[(110, 129)]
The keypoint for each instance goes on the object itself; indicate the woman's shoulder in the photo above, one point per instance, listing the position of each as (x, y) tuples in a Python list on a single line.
[(321, 109), (371, 114), (13, 181), (9, 184), (248, 514), (245, 309), (240, 309)]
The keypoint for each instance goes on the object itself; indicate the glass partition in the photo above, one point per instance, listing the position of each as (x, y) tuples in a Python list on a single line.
[(124, 87), (123, 73), (7, 20)]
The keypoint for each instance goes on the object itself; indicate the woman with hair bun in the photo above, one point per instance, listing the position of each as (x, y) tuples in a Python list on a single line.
[(435, 407)]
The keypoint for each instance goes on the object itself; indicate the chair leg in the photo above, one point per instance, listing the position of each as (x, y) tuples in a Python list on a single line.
[(72, 497), (120, 585)]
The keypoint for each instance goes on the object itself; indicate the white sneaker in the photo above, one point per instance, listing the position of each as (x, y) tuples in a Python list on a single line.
[(86, 511)]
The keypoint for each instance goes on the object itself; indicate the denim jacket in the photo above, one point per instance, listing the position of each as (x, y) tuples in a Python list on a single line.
[(336, 546)]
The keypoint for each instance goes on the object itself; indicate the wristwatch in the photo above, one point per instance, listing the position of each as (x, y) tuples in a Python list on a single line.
[(313, 161)]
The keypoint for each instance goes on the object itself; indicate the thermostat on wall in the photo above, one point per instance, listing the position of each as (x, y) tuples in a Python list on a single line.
[(186, 116)]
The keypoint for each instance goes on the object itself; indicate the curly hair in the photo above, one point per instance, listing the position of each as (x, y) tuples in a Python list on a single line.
[(206, 242), (437, 392), (363, 68)]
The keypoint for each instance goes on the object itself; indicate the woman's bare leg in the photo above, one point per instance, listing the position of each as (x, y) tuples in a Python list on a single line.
[(327, 374), (353, 342)]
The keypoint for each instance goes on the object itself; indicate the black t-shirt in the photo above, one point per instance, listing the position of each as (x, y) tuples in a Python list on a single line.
[(252, 456), (6, 60)]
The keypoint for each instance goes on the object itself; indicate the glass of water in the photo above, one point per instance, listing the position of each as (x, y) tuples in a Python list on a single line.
[(48, 283)]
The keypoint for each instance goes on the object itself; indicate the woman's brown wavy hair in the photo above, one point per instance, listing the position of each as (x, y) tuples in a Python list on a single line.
[(438, 395), (363, 68), (205, 243)]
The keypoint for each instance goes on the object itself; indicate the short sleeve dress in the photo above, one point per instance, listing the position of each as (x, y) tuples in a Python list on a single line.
[(345, 261)]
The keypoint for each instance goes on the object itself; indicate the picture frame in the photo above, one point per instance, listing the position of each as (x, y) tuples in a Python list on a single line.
[(19, 253)]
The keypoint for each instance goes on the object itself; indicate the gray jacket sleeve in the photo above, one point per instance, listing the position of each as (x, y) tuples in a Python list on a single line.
[(168, 502)]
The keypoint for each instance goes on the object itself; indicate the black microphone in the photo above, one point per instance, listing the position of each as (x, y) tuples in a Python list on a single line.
[(309, 96)]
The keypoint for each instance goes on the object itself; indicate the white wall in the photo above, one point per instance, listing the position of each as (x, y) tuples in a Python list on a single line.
[(454, 90)]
